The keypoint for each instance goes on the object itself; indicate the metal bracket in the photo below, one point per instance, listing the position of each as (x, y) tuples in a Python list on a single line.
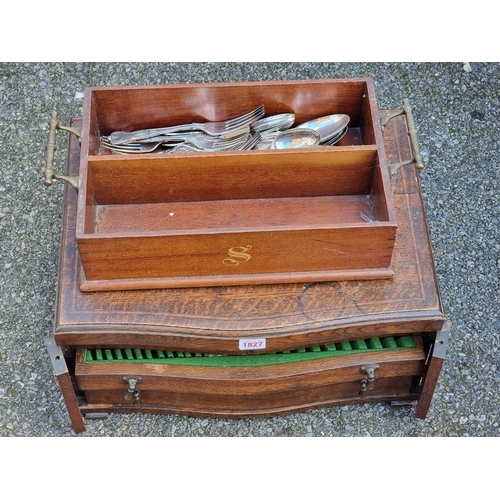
[(56, 356), (385, 117), (49, 173), (96, 416), (441, 342), (65, 383), (73, 130), (404, 403)]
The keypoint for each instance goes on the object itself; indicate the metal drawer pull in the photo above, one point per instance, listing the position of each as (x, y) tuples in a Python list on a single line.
[(368, 382), (132, 393)]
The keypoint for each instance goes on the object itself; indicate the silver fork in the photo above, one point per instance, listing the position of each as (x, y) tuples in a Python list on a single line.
[(226, 128), (206, 143), (131, 148), (250, 141)]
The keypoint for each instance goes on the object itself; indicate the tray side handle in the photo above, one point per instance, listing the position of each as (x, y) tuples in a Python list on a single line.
[(412, 133), (49, 173)]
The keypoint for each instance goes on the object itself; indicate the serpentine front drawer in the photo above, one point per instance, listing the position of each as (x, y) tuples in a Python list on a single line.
[(255, 385)]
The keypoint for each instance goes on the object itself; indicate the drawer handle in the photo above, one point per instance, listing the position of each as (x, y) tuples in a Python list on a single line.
[(368, 382), (132, 393)]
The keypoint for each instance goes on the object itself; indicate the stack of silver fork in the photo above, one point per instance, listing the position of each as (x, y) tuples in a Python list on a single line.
[(228, 135)]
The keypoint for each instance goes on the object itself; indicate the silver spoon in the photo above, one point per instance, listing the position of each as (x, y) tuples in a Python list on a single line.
[(282, 121), (327, 126), (336, 138), (296, 138)]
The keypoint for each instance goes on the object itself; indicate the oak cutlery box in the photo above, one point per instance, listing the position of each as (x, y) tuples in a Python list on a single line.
[(232, 218), (251, 351)]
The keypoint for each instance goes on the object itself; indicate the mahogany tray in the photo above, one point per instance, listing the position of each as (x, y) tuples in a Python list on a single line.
[(233, 218)]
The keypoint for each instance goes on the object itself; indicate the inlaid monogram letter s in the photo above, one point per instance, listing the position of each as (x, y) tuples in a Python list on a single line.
[(237, 255)]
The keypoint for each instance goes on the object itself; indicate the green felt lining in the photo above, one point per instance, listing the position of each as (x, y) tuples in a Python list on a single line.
[(127, 355)]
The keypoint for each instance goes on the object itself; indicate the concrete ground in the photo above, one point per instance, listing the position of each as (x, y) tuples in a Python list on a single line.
[(457, 114)]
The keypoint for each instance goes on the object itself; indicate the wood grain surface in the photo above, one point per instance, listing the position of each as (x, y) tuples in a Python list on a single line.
[(302, 314)]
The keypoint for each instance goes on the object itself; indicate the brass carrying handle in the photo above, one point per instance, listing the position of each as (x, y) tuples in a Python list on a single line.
[(49, 173), (412, 132)]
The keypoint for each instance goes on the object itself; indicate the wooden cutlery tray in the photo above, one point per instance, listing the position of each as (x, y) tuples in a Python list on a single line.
[(232, 218)]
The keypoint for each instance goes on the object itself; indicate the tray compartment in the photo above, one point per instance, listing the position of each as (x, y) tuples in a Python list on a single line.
[(178, 220), (130, 108)]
